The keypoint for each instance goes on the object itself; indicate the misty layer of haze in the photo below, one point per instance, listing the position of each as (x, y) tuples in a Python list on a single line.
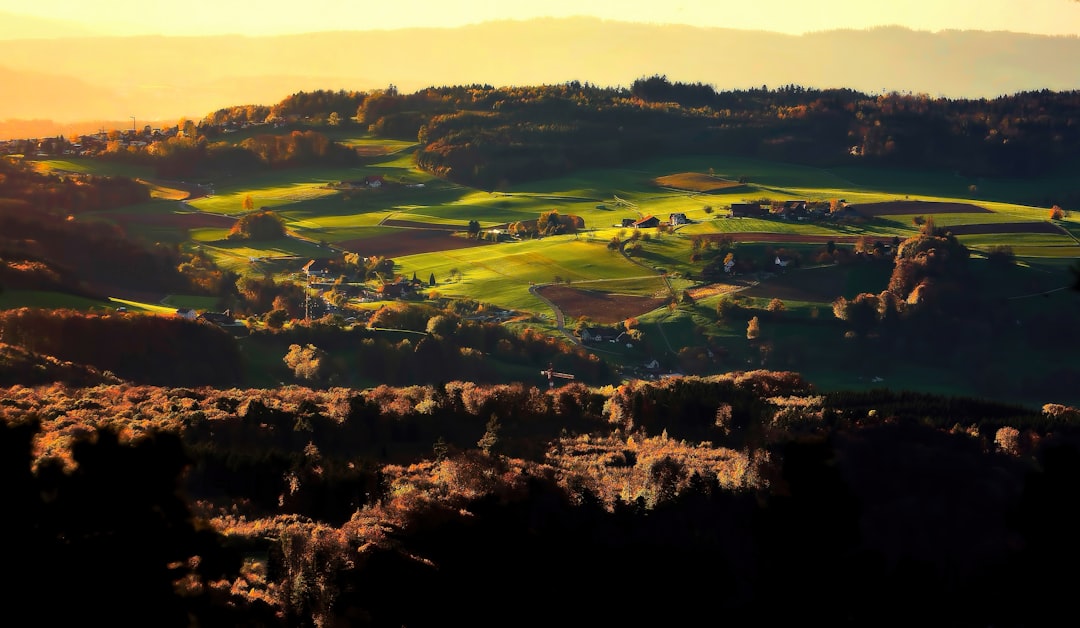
[(76, 76)]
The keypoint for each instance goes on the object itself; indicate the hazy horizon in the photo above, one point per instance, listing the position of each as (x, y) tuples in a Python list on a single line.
[(221, 17), (75, 76)]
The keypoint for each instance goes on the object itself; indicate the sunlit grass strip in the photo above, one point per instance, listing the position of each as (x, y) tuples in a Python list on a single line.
[(373, 146), (85, 165), (268, 198), (208, 234), (144, 307)]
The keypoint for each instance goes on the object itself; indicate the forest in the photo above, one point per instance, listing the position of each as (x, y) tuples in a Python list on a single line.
[(745, 498), (415, 468)]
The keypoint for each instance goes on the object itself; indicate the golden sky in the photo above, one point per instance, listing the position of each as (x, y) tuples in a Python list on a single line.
[(266, 17)]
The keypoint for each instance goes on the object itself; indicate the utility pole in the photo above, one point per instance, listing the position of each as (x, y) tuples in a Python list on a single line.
[(552, 373), (307, 299), (132, 124)]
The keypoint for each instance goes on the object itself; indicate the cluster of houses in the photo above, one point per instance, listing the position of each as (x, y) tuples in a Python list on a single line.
[(648, 220), (787, 210), (87, 144), (94, 143), (370, 182), (221, 319)]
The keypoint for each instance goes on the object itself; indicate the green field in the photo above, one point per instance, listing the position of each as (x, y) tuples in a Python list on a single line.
[(319, 211)]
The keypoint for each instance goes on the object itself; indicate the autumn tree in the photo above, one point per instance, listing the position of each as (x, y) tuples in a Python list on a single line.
[(753, 329), (249, 203), (860, 313), (306, 361), (549, 223)]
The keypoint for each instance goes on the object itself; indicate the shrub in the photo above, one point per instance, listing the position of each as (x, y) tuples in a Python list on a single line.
[(260, 225)]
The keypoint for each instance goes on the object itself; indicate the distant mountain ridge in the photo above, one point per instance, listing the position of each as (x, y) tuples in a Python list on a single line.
[(68, 79)]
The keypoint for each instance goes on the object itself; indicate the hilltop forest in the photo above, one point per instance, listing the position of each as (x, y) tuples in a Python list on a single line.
[(489, 137), (414, 468)]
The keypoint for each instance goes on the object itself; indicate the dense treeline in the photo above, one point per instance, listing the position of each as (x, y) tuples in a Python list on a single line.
[(201, 154), (407, 344), (389, 506), (476, 134), (41, 249), (68, 193), (148, 349), (489, 137)]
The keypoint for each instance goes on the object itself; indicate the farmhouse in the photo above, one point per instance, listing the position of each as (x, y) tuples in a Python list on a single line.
[(221, 319), (628, 222), (748, 210), (186, 313), (317, 268), (647, 221), (597, 334), (793, 210), (398, 289), (678, 219)]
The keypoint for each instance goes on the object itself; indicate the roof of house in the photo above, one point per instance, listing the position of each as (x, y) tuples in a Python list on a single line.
[(316, 265)]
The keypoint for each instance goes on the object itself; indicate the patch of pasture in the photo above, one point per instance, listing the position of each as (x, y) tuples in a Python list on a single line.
[(1053, 245), (940, 184), (756, 171), (11, 299), (823, 284), (204, 235), (370, 146), (86, 165), (237, 256), (232, 204), (399, 242), (503, 273), (950, 220)]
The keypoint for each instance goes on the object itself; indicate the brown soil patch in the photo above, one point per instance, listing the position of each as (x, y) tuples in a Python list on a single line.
[(695, 182), (184, 190), (712, 290), (409, 242), (1007, 227), (602, 307), (892, 208), (409, 224)]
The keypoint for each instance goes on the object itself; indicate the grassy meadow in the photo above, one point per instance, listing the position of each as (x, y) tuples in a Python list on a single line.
[(322, 217)]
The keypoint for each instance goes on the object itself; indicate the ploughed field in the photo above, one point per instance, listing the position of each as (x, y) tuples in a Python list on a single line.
[(600, 307)]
